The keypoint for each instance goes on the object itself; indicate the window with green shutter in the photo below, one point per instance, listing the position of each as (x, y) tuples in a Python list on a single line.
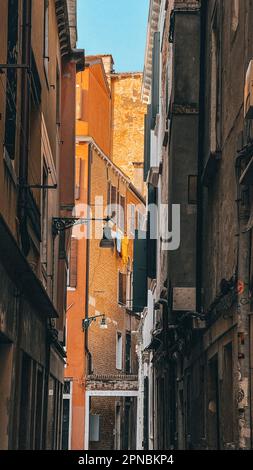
[(140, 272)]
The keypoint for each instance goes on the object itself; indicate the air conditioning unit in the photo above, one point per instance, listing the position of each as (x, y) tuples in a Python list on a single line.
[(248, 93)]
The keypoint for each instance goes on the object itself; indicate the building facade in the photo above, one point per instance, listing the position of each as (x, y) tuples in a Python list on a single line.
[(37, 128), (195, 365), (101, 372), (128, 125)]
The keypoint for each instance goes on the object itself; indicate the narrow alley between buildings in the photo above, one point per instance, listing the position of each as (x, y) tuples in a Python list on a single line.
[(126, 217)]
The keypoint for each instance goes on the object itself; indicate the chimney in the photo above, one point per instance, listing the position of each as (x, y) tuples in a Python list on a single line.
[(108, 63)]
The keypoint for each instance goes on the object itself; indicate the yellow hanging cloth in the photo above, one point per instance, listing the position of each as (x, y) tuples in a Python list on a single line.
[(124, 249)]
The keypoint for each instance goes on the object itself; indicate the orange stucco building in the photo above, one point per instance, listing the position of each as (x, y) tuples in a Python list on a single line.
[(100, 362)]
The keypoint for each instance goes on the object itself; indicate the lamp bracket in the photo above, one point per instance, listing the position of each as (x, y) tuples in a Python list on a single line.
[(60, 224), (86, 322)]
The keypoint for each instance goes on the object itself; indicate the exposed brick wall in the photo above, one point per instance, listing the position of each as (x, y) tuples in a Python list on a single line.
[(105, 407), (103, 283)]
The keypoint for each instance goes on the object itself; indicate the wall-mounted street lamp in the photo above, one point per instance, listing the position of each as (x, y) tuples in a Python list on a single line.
[(60, 224), (86, 322), (107, 240)]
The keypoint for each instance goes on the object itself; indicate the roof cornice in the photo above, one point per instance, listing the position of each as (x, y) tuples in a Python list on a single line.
[(89, 140), (61, 10), (153, 20)]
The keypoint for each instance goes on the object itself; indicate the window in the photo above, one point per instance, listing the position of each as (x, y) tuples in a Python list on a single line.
[(131, 220), (122, 289), (72, 271), (235, 15), (11, 79), (46, 37), (109, 198), (129, 300), (122, 208), (140, 221), (139, 274), (113, 195), (119, 351), (94, 428), (128, 353), (113, 207)]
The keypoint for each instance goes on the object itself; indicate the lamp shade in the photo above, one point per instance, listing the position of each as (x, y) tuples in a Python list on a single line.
[(107, 240)]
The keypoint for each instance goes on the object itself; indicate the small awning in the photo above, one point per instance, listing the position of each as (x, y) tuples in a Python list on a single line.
[(21, 273)]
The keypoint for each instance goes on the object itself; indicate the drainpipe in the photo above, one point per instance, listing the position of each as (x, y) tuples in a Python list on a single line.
[(199, 247), (25, 125), (88, 258), (243, 317)]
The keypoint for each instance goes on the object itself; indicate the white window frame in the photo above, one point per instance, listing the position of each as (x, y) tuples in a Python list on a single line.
[(119, 350), (131, 219)]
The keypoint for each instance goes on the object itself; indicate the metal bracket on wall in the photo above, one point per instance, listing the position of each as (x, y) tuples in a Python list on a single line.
[(59, 224)]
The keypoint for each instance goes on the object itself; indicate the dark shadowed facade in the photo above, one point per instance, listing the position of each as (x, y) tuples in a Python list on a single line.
[(37, 160), (197, 361)]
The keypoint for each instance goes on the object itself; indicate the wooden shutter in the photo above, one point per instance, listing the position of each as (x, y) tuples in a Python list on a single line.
[(109, 199), (73, 263), (122, 201), (114, 202), (128, 354), (140, 272), (122, 288), (113, 195)]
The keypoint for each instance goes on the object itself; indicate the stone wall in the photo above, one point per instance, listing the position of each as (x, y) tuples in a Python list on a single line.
[(128, 125)]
